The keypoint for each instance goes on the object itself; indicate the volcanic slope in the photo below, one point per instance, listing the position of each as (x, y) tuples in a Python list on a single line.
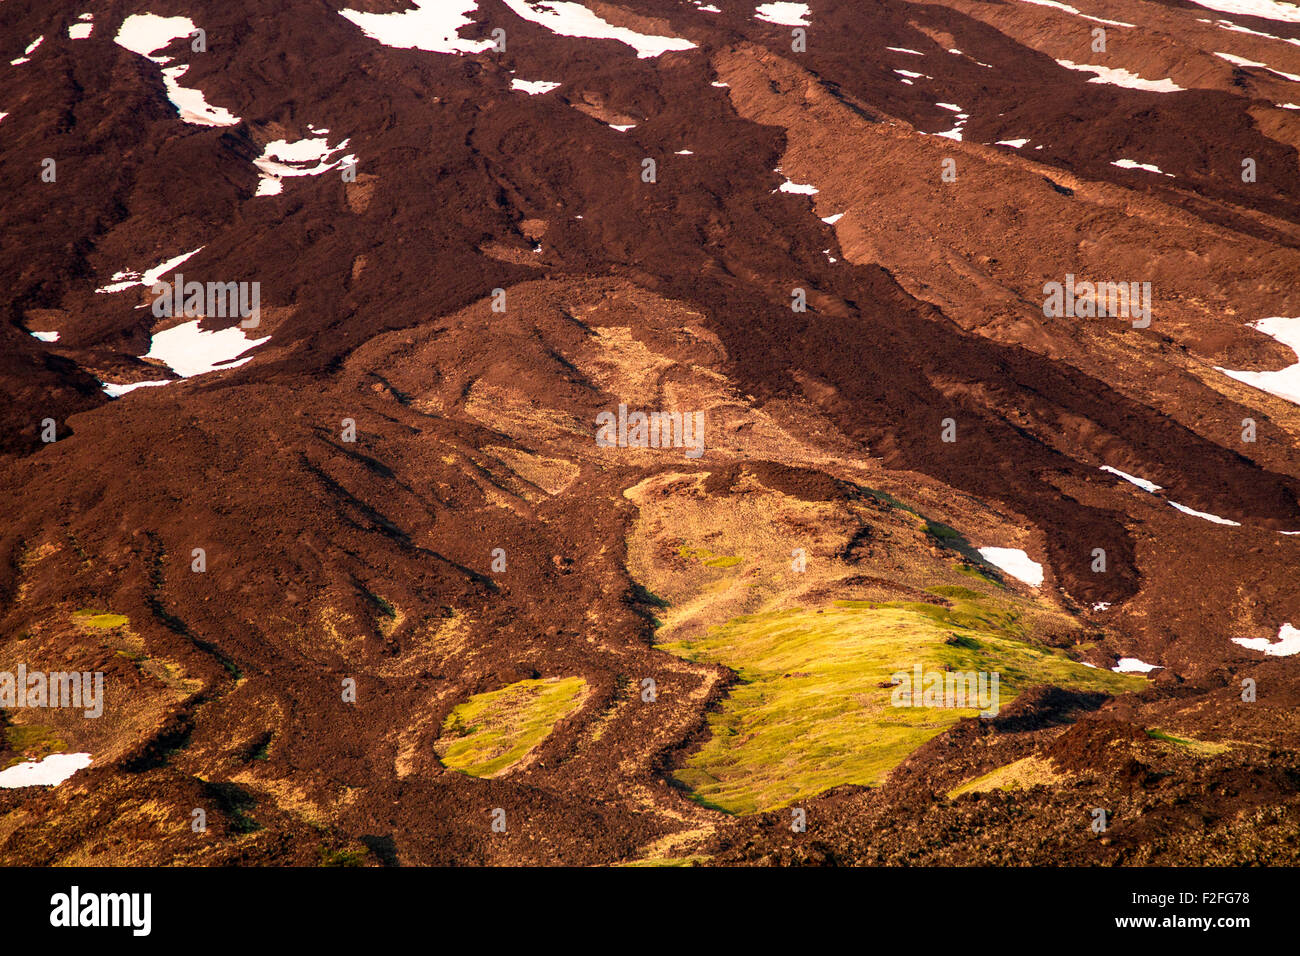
[(335, 564)]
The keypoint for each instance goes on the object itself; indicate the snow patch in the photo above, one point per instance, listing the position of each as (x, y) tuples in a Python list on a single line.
[(47, 336), (143, 33), (800, 189), (955, 132), (1013, 143), (27, 53), (1286, 645), (117, 391), (1140, 482), (1133, 164), (433, 26), (903, 49), (1016, 563), (533, 87), (146, 33), (191, 105), (1284, 383), (784, 14), (188, 351), (832, 220), (1204, 514), (50, 772), (1242, 61), (971, 58), (1131, 665), (125, 280), (1238, 60), (1122, 77), (575, 20), (1153, 488), (1229, 25), (304, 157), (80, 31), (1265, 9), (1065, 7)]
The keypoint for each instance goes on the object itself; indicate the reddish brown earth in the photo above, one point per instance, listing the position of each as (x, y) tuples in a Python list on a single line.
[(475, 428)]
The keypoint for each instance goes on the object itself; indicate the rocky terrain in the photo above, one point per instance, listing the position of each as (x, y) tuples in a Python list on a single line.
[(380, 572)]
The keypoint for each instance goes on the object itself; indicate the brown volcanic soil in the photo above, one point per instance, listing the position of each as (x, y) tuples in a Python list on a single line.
[(475, 427)]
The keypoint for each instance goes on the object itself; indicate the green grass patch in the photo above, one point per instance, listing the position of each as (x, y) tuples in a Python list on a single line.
[(695, 859), (956, 591), (31, 742), (235, 802), (100, 619), (810, 712), (344, 857), (1022, 774), (979, 574), (1203, 747), (383, 605), (643, 595), (707, 557), (943, 532), (491, 732)]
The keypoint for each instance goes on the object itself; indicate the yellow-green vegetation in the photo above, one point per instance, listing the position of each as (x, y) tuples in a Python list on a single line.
[(1018, 775), (169, 673), (943, 532), (977, 574), (129, 645), (695, 859), (100, 619), (813, 709), (708, 558), (348, 856), (31, 742), (1203, 748), (389, 617), (490, 733)]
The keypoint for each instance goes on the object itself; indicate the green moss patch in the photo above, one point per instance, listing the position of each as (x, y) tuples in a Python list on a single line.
[(956, 591), (490, 733), (1202, 747), (30, 742), (813, 709), (980, 575), (100, 619), (1021, 774), (708, 558)]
